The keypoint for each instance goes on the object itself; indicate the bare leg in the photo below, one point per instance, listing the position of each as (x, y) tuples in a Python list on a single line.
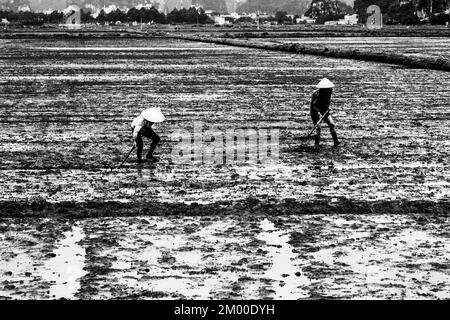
[(315, 118), (329, 120), (149, 133), (155, 141), (140, 146)]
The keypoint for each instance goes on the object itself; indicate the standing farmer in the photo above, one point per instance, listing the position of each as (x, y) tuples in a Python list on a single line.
[(320, 104), (142, 127)]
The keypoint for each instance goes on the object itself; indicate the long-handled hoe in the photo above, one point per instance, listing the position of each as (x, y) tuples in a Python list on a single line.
[(120, 166), (310, 136)]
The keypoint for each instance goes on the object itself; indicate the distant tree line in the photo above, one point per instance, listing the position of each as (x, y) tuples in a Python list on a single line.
[(26, 17), (327, 10), (407, 12), (145, 15), (394, 12)]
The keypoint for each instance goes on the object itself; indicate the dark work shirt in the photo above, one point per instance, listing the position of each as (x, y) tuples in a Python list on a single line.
[(320, 102)]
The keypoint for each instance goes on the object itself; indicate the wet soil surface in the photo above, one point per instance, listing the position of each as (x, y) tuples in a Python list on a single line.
[(232, 257), (437, 47), (65, 110)]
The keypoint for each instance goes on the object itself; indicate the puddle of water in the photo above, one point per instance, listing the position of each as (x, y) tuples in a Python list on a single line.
[(66, 268), (397, 262), (193, 287), (172, 277), (121, 265), (409, 165), (282, 263), (17, 266)]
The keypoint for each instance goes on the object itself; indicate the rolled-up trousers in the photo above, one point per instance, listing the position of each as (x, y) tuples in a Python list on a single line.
[(315, 116), (148, 133)]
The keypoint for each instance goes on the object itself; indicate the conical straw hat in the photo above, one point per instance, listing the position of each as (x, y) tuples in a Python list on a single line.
[(325, 84), (153, 115)]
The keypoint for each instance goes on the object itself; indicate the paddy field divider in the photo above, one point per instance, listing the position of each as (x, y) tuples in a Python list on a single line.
[(433, 63)]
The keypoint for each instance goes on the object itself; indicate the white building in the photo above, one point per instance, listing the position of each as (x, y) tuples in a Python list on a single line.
[(211, 13), (220, 21), (351, 19), (4, 22), (305, 19), (233, 15)]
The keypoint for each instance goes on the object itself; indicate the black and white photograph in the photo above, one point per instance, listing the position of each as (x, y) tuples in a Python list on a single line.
[(224, 150)]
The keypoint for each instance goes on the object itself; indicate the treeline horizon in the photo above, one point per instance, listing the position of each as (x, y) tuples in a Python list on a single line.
[(405, 12), (398, 14), (145, 15)]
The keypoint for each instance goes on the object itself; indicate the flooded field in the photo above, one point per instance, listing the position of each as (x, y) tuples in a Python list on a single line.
[(65, 113), (232, 257), (438, 47)]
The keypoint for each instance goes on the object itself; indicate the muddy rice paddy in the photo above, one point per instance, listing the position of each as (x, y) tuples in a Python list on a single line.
[(218, 230), (436, 47)]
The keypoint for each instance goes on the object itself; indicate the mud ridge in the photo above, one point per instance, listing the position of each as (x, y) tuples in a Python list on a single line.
[(324, 31), (79, 34), (249, 206), (433, 63)]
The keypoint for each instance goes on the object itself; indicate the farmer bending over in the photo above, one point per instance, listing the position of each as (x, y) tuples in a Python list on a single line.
[(320, 104), (142, 127)]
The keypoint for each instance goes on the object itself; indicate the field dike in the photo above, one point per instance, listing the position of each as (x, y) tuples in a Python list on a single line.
[(249, 206), (432, 63), (74, 34)]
